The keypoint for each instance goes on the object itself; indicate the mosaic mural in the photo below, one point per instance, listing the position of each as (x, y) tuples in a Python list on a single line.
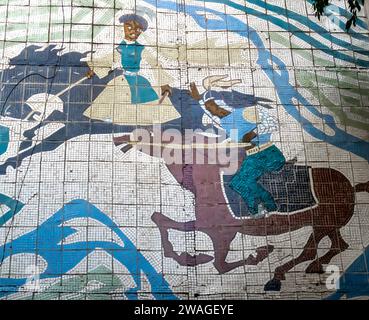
[(175, 149)]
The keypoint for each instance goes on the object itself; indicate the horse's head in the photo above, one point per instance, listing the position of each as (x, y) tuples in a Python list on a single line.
[(219, 88), (31, 73), (18, 84), (233, 99)]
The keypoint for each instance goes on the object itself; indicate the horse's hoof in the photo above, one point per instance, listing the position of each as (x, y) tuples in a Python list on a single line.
[(273, 285), (5, 165)]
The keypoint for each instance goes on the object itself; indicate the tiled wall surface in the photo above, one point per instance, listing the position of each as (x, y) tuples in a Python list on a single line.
[(88, 211)]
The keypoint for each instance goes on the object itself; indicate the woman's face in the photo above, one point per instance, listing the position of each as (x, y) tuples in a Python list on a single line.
[(132, 30)]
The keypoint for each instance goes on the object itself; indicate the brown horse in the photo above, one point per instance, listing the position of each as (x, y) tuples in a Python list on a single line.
[(335, 206)]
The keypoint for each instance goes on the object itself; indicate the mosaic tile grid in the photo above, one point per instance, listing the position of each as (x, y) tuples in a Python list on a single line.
[(85, 215)]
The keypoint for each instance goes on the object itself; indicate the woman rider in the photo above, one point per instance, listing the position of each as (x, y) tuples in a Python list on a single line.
[(131, 55)]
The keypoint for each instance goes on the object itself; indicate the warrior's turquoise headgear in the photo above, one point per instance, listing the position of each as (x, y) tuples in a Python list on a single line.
[(134, 17)]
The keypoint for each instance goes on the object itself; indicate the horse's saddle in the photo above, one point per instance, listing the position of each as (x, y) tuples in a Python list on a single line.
[(290, 187)]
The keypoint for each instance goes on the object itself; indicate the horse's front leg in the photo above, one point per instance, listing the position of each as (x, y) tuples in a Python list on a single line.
[(184, 259), (11, 162), (308, 253), (30, 133), (222, 242)]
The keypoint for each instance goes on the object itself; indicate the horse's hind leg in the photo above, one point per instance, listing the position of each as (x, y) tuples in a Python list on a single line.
[(49, 144), (338, 245), (55, 116), (184, 259), (222, 243), (309, 253)]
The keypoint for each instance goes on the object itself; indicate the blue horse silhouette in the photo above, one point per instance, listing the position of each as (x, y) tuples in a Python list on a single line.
[(47, 242), (33, 62)]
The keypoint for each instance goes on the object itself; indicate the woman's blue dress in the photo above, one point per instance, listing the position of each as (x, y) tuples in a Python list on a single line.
[(141, 89)]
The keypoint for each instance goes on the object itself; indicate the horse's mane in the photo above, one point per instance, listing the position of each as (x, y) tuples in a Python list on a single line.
[(237, 99), (38, 56), (48, 56)]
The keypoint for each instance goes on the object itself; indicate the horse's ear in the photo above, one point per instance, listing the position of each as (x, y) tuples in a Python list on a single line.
[(229, 83), (23, 55), (211, 81), (219, 82), (33, 49)]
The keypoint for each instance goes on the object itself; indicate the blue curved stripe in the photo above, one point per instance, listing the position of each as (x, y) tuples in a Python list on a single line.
[(298, 32)]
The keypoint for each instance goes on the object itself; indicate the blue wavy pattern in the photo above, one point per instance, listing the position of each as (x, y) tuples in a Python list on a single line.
[(298, 32), (47, 241)]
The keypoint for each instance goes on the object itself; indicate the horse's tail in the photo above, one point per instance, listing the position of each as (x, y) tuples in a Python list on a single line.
[(362, 187)]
